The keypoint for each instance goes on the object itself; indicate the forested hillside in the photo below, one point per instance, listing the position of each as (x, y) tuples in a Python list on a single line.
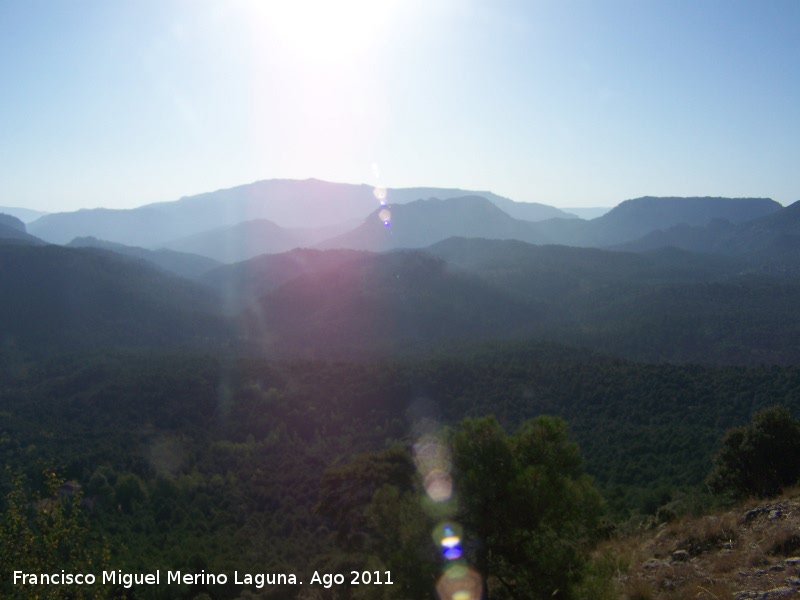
[(201, 462)]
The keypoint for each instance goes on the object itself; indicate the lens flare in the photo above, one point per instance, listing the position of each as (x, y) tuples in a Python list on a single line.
[(380, 194), (451, 541), (431, 454), (459, 583), (448, 535), (433, 462), (452, 553), (451, 544), (385, 215), (438, 485)]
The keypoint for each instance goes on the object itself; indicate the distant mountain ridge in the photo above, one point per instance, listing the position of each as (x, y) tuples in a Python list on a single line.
[(178, 263), (635, 218), (772, 238), (12, 222), (309, 203), (669, 305), (85, 298), (235, 243), (26, 215), (242, 283), (144, 226), (13, 230), (425, 222), (276, 215), (663, 305)]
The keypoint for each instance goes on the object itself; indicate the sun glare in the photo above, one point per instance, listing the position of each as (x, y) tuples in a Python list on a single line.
[(326, 30)]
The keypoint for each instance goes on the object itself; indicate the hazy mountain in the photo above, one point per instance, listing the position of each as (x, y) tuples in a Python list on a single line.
[(316, 203), (377, 304), (71, 298), (775, 234), (242, 241), (524, 211), (180, 263), (425, 222), (26, 215), (242, 283), (10, 221), (310, 203), (633, 219), (667, 305), (12, 230), (770, 240), (562, 270), (588, 213), (143, 226)]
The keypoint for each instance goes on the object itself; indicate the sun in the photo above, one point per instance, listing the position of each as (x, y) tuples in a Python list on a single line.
[(326, 30)]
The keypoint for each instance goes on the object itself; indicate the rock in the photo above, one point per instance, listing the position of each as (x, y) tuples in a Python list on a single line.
[(653, 563), (792, 560), (781, 592), (774, 514), (793, 581), (753, 513), (777, 568), (680, 556)]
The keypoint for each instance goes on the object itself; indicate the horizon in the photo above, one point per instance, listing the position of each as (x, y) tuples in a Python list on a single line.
[(572, 105), (607, 207)]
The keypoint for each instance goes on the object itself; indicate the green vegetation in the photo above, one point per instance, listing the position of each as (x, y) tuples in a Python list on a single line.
[(758, 459), (45, 535), (196, 463), (526, 511), (528, 502)]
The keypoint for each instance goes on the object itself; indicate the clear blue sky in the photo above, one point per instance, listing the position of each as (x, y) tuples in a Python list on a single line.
[(569, 103)]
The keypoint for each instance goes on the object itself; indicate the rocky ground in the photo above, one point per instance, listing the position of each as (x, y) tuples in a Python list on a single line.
[(749, 552)]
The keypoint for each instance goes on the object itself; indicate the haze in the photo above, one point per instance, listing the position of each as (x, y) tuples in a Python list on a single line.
[(563, 103)]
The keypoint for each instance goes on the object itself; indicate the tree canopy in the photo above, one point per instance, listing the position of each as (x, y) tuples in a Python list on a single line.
[(527, 502), (760, 458), (522, 502)]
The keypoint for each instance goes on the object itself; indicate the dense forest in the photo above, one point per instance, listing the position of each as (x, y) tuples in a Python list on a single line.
[(200, 463)]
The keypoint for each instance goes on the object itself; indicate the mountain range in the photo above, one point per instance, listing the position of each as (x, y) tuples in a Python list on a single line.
[(770, 238), (57, 299), (278, 215), (677, 279), (178, 263), (667, 305), (310, 203)]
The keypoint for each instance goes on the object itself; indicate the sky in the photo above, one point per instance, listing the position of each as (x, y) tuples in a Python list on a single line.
[(565, 102)]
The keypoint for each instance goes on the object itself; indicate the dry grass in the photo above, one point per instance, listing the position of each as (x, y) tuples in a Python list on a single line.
[(725, 562), (784, 540), (713, 591), (637, 589), (706, 558)]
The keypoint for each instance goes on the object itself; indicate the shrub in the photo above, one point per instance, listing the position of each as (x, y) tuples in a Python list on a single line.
[(758, 459)]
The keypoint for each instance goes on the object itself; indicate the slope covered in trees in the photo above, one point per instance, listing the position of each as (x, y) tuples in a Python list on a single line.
[(216, 464)]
